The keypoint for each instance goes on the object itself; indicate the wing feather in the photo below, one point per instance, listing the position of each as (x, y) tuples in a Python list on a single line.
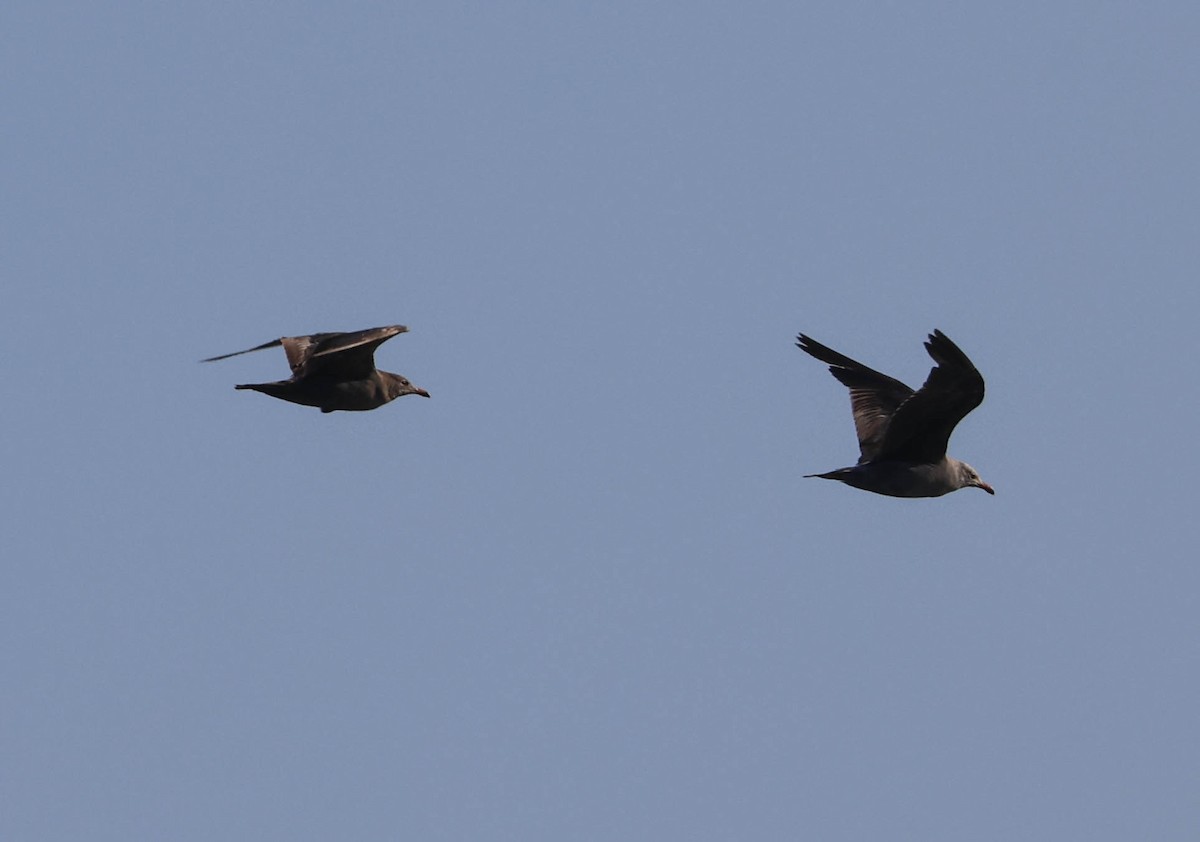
[(921, 426), (874, 397)]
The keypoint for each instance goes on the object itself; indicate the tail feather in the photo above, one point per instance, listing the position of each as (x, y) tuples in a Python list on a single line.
[(839, 474)]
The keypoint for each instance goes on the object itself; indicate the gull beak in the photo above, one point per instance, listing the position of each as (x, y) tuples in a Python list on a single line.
[(986, 487), (425, 394)]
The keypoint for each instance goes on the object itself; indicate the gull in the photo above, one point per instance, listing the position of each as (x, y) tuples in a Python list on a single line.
[(334, 371), (902, 434)]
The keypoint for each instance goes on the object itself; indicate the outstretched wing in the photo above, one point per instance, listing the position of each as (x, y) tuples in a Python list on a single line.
[(874, 397), (921, 426), (344, 356), (297, 348)]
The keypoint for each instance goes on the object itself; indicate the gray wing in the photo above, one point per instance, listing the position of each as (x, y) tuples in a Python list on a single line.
[(921, 426), (297, 349), (346, 356), (874, 397)]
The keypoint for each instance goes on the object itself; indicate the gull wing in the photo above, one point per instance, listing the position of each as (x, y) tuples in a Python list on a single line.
[(921, 426), (874, 397)]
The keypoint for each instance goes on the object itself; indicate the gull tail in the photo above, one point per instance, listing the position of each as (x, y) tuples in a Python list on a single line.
[(840, 474)]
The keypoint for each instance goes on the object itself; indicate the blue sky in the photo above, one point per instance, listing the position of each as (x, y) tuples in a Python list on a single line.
[(583, 592)]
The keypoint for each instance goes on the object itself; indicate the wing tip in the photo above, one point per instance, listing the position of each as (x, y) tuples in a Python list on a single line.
[(944, 351), (272, 344), (811, 346)]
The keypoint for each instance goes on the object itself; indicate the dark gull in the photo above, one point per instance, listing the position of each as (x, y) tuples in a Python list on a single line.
[(902, 434), (334, 371)]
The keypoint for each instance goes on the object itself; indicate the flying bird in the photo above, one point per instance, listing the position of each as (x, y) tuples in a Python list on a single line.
[(334, 371), (902, 434)]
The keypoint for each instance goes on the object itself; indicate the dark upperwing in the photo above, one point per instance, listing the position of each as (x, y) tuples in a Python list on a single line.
[(921, 426), (874, 397)]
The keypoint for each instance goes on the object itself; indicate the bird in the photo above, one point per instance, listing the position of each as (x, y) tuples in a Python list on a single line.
[(902, 434), (334, 371)]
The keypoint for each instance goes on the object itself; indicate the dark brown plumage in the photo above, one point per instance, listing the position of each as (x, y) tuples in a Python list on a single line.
[(334, 371), (902, 434)]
